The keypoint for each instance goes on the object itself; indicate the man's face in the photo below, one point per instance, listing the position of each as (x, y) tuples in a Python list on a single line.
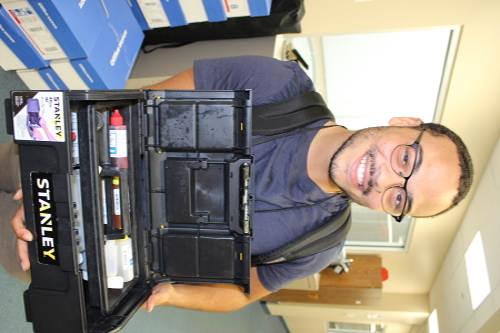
[(362, 169)]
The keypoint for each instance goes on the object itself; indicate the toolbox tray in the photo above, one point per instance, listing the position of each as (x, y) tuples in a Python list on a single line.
[(185, 198)]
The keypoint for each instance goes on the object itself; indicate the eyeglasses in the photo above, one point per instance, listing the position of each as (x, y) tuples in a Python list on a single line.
[(403, 161)]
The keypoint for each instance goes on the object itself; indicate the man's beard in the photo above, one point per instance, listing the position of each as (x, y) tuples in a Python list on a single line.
[(334, 168)]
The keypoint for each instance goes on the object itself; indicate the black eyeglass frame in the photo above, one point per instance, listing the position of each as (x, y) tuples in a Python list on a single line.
[(416, 146)]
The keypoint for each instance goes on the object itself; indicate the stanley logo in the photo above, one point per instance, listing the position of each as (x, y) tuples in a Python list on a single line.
[(45, 218)]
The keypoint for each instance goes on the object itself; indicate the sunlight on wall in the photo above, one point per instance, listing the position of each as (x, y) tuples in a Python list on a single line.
[(477, 271), (433, 322)]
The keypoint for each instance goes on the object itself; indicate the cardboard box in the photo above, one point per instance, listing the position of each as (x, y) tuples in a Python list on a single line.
[(237, 8), (215, 10), (194, 10), (22, 50), (75, 24), (32, 79), (9, 60), (6, 1), (67, 29), (153, 13), (260, 7), (109, 64), (42, 79), (22, 14), (174, 12), (68, 74), (134, 6)]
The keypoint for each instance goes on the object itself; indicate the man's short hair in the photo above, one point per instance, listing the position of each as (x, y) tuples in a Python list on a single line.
[(465, 161)]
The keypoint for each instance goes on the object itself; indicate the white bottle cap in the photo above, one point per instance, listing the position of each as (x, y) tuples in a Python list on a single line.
[(115, 282)]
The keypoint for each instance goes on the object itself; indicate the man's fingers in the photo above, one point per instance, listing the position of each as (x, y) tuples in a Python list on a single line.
[(19, 194), (19, 226), (159, 296), (22, 248), (150, 303), (23, 235)]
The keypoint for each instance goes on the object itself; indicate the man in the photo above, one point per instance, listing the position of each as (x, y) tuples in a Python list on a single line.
[(304, 178)]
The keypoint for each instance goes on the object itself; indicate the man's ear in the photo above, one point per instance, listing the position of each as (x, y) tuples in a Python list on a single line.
[(405, 121)]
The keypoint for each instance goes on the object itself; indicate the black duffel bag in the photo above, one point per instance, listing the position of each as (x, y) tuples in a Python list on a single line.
[(284, 18)]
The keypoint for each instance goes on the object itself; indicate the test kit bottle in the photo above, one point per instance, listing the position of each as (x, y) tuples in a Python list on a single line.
[(115, 281), (119, 262), (117, 210), (118, 140), (125, 259)]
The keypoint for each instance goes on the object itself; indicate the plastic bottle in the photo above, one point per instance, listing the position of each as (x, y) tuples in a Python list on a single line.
[(110, 252), (125, 259), (118, 141), (117, 210), (115, 281)]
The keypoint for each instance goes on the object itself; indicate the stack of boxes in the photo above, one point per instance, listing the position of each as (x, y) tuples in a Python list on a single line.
[(173, 13), (93, 44), (69, 44)]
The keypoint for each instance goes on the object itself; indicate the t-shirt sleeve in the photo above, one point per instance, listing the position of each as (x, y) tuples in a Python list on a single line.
[(271, 80), (276, 276)]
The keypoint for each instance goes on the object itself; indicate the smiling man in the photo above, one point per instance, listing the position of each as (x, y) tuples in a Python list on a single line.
[(308, 177), (399, 169)]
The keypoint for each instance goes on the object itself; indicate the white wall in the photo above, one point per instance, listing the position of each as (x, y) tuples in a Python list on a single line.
[(450, 292), (398, 312)]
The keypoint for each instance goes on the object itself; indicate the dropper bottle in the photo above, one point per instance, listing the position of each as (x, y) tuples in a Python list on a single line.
[(118, 141)]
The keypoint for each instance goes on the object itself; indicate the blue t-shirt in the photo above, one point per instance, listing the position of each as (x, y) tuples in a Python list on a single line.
[(287, 202)]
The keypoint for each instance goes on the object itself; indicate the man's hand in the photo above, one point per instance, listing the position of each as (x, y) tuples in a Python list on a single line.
[(206, 297), (23, 235), (160, 296)]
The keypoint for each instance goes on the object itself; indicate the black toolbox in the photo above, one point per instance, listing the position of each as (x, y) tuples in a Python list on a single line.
[(178, 210)]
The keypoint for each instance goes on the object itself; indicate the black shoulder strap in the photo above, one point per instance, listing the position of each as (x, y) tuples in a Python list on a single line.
[(319, 239), (289, 114)]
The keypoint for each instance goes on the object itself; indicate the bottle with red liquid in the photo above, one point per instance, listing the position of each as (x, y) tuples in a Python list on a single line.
[(118, 141)]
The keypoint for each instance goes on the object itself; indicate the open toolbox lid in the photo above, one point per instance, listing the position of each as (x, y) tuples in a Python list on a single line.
[(185, 198)]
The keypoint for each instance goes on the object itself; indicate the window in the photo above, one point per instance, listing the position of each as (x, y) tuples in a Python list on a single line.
[(373, 77), (377, 229), (355, 328)]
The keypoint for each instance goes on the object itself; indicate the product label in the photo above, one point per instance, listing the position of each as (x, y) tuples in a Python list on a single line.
[(116, 202), (45, 218), (127, 257), (75, 151), (118, 143), (39, 116), (31, 24), (154, 13), (104, 203), (235, 8)]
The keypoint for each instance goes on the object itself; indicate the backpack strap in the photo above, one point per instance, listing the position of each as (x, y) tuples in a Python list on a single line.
[(289, 114), (318, 239), (286, 116)]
